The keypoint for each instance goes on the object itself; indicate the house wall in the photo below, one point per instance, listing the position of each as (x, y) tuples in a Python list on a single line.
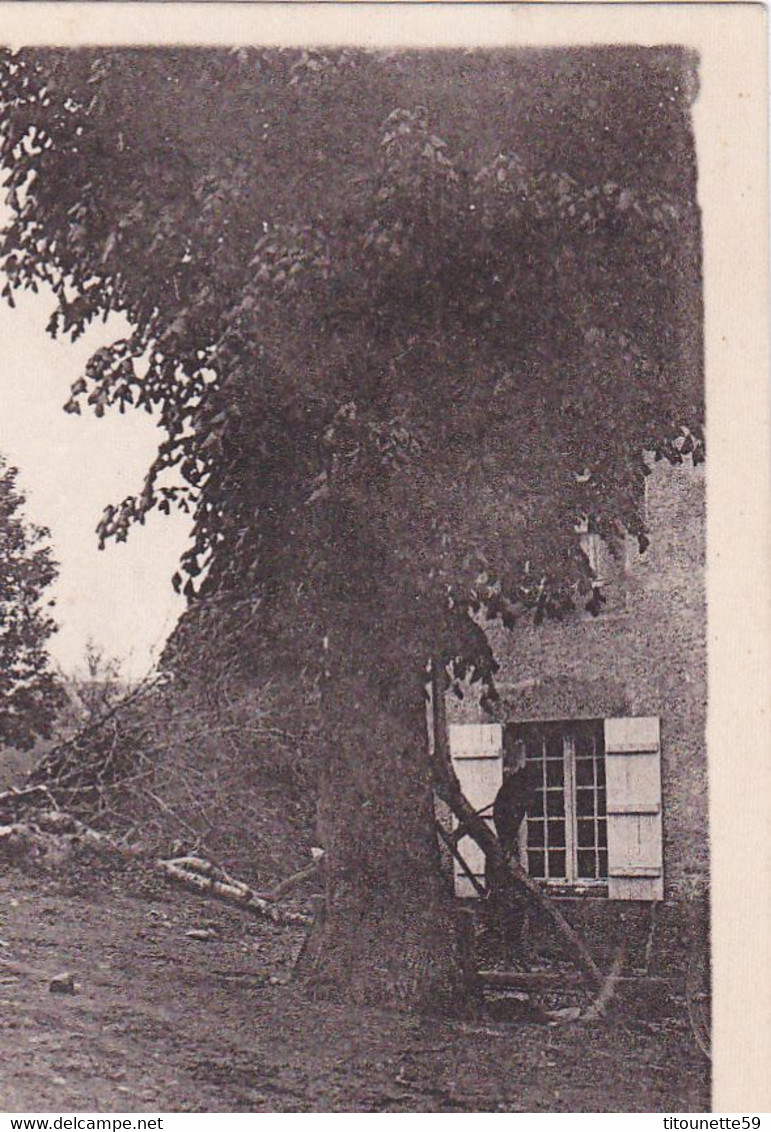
[(644, 655)]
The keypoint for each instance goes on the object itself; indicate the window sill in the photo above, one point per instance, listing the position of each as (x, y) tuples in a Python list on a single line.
[(575, 891)]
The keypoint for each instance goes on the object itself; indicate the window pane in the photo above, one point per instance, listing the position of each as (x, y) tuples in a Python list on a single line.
[(535, 834), (547, 747), (584, 803), (556, 834), (554, 745), (555, 803), (585, 745), (555, 772), (534, 747), (586, 864), (535, 767), (584, 772)]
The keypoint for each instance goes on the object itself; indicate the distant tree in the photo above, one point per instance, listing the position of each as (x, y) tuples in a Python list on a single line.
[(405, 321), (30, 695), (91, 691)]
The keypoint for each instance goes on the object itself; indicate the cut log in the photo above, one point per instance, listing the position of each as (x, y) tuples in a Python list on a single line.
[(204, 877)]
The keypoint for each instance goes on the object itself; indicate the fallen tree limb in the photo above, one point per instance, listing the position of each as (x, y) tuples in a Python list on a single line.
[(209, 880), (49, 766), (53, 835), (166, 808), (286, 885), (15, 797)]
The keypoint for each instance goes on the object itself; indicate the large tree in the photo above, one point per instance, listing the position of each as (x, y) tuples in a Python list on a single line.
[(405, 321), (30, 695)]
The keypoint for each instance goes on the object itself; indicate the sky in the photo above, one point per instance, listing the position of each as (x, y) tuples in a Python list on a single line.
[(70, 467)]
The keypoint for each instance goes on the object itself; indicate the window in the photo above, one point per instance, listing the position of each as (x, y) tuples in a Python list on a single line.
[(565, 834), (594, 814)]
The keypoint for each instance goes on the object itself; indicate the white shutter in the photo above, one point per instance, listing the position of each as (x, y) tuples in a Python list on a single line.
[(476, 750), (633, 776)]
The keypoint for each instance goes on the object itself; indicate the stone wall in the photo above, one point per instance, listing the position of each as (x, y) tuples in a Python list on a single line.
[(644, 655)]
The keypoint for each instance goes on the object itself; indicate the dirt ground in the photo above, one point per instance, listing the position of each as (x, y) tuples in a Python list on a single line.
[(165, 1022)]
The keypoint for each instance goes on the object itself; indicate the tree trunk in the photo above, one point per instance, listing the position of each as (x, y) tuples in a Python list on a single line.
[(388, 933)]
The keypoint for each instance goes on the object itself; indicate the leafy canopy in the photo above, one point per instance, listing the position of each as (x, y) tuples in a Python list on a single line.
[(405, 320)]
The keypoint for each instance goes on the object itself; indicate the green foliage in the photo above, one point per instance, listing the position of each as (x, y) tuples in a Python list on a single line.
[(405, 320), (29, 693)]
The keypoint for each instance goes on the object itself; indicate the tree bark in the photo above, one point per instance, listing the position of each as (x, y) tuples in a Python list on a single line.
[(388, 933)]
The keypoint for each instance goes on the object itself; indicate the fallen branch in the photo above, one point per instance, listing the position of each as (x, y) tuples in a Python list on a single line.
[(15, 797), (166, 808), (204, 877), (53, 837), (286, 885), (52, 762)]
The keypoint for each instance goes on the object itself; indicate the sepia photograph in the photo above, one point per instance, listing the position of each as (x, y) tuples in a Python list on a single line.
[(353, 545)]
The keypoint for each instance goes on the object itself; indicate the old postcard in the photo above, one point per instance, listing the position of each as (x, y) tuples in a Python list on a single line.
[(385, 550)]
